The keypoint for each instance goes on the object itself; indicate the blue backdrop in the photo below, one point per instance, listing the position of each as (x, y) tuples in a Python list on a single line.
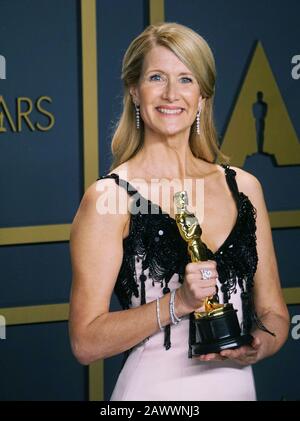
[(41, 174)]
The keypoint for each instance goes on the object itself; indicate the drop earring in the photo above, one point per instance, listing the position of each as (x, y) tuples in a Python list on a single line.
[(137, 116), (198, 122)]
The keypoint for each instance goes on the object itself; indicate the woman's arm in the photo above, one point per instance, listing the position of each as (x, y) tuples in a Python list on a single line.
[(96, 245), (96, 256), (268, 299)]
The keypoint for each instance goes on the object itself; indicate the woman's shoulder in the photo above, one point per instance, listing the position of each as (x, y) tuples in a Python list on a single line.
[(111, 179), (121, 170), (245, 179), (248, 183), (106, 197)]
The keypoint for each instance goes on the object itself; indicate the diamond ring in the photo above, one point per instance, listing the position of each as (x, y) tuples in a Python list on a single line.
[(206, 273)]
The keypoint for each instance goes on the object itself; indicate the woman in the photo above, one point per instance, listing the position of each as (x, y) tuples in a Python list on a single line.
[(166, 133)]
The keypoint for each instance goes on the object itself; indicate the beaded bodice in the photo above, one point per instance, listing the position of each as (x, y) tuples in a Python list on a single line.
[(154, 238)]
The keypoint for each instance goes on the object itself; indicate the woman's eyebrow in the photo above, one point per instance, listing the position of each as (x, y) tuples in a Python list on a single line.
[(162, 71)]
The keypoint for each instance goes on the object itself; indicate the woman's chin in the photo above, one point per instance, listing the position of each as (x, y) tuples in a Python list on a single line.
[(171, 131)]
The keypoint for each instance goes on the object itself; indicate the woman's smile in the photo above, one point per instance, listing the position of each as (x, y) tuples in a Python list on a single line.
[(168, 111)]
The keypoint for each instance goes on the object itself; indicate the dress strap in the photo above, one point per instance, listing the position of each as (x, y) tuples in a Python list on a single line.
[(120, 182), (231, 181)]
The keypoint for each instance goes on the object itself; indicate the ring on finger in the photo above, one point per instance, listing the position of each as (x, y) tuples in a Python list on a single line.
[(206, 273)]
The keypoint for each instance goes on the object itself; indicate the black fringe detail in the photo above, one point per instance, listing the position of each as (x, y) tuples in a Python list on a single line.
[(167, 340), (167, 329), (192, 335), (143, 279), (247, 312)]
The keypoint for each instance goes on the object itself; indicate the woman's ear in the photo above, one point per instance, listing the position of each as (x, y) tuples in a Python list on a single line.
[(134, 94), (201, 103)]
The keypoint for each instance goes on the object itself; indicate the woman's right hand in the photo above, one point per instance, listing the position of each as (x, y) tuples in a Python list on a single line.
[(195, 289)]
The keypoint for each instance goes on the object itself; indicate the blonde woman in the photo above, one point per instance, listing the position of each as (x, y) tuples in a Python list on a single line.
[(166, 136)]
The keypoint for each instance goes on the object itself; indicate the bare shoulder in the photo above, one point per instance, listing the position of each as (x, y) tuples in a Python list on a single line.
[(121, 170), (248, 184), (104, 192), (104, 203)]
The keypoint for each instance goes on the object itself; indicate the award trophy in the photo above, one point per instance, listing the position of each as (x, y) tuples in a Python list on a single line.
[(217, 327)]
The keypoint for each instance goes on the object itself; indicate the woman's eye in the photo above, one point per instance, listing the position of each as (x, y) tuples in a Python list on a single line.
[(186, 80), (155, 77), (161, 78)]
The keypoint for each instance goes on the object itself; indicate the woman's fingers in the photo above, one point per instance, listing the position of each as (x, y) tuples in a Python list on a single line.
[(211, 357), (256, 343), (208, 292), (198, 267), (204, 282), (244, 355), (199, 283)]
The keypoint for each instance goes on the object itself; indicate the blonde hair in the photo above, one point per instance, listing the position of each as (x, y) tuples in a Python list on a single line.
[(195, 53)]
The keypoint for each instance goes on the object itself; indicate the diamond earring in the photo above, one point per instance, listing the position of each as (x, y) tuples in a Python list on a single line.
[(198, 122), (137, 116)]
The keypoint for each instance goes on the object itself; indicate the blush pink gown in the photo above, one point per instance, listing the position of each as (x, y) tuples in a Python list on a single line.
[(152, 373)]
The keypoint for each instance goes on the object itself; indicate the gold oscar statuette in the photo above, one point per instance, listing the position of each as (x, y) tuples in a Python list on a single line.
[(216, 327)]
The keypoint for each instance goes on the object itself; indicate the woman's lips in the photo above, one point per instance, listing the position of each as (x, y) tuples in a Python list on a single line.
[(169, 111)]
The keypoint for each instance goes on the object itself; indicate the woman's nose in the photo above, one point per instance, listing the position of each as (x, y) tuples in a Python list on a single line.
[(170, 91)]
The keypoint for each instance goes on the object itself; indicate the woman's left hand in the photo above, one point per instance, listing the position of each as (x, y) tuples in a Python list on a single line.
[(245, 355)]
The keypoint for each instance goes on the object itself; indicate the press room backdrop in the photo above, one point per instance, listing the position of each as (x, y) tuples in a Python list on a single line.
[(60, 95)]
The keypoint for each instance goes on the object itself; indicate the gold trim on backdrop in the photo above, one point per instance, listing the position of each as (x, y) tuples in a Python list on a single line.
[(35, 314), (285, 219), (156, 11), (292, 295), (35, 234), (90, 91), (96, 381), (90, 138)]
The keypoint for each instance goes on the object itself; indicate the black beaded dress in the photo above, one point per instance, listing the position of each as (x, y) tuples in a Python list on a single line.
[(154, 260)]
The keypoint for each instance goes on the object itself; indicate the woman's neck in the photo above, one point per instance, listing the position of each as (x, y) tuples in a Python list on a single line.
[(165, 157)]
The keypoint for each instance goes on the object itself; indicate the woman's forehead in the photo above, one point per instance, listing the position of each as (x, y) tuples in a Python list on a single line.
[(162, 58)]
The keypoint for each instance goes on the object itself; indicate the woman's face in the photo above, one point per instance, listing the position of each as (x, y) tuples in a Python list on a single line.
[(167, 92)]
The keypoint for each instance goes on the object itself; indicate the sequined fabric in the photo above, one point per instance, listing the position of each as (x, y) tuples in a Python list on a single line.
[(154, 238)]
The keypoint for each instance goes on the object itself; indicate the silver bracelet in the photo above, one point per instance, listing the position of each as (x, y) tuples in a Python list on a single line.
[(158, 314), (175, 319)]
